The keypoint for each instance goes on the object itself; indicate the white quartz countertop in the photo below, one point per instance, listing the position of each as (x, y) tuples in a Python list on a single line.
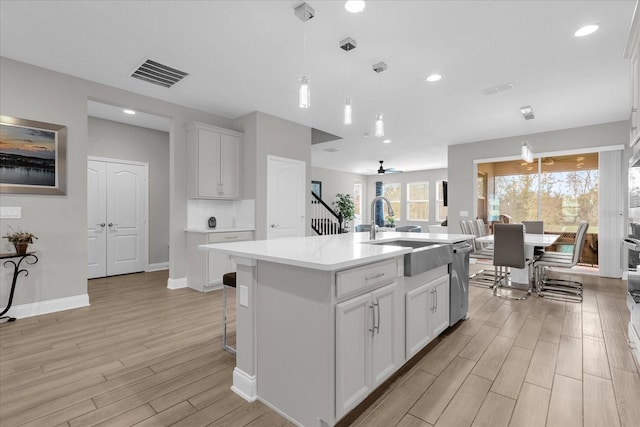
[(218, 230), (329, 253)]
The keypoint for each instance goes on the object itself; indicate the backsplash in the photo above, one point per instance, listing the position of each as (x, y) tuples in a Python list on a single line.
[(228, 213)]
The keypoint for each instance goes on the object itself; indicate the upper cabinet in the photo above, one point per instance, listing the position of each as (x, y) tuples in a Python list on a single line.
[(631, 52), (214, 162)]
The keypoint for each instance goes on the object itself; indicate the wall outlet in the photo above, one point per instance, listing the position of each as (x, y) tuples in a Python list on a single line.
[(464, 214), (9, 212), (244, 296)]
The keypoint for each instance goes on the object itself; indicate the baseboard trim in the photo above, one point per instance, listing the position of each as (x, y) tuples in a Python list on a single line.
[(244, 385), (177, 283), (49, 306), (158, 266)]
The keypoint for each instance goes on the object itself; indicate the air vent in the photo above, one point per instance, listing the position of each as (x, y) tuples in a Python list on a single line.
[(159, 74), (499, 88)]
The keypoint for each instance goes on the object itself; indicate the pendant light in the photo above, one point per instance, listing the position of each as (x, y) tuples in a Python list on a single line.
[(379, 126), (526, 152), (348, 45), (304, 12)]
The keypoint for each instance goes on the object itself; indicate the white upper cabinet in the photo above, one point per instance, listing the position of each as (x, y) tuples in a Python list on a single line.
[(631, 52), (214, 162)]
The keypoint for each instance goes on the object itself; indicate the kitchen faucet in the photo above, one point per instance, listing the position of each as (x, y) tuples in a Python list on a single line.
[(372, 232)]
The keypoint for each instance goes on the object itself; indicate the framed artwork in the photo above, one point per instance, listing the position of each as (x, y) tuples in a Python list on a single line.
[(316, 188), (33, 157)]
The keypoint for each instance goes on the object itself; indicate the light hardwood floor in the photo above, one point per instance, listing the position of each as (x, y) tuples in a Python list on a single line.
[(147, 356)]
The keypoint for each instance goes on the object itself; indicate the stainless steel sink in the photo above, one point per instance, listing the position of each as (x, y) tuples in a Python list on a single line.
[(424, 257)]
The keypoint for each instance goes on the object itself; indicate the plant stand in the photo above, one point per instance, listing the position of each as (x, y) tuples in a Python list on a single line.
[(31, 259)]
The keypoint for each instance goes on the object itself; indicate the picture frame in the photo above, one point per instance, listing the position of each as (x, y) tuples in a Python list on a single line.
[(33, 157), (316, 188)]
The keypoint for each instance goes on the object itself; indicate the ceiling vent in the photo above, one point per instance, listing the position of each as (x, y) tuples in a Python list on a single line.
[(499, 88), (159, 74), (348, 44)]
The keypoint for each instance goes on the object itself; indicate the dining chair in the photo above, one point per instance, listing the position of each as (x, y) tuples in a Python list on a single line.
[(483, 278), (561, 289), (509, 251), (362, 227), (409, 228), (535, 227)]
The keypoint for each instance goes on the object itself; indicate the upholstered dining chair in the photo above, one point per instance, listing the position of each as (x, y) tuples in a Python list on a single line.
[(560, 289), (509, 251), (535, 227), (483, 278)]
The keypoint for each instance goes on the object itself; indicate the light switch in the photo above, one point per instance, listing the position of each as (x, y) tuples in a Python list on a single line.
[(244, 296), (10, 212), (464, 214)]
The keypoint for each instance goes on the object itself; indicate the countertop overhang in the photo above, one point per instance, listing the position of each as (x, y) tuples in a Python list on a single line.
[(329, 253)]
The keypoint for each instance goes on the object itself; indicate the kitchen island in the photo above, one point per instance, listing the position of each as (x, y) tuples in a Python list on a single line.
[(322, 321)]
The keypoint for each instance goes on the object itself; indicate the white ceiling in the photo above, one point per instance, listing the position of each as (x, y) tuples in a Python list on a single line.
[(245, 56)]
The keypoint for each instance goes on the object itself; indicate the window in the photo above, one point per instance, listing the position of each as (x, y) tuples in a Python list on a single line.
[(392, 193), (357, 199), (418, 201), (441, 209)]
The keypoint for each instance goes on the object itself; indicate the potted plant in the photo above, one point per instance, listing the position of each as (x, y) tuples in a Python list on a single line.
[(20, 240), (391, 222), (345, 207)]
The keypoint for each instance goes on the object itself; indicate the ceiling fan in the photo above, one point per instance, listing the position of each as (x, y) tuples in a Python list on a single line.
[(382, 170)]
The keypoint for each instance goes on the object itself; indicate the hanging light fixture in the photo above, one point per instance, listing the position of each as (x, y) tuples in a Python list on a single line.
[(379, 130), (305, 93), (305, 13), (348, 45), (526, 152), (347, 111), (379, 127)]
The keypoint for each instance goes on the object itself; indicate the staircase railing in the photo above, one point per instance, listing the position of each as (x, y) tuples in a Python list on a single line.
[(324, 220)]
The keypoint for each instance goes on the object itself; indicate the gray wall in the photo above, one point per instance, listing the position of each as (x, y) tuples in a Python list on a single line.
[(268, 135), (60, 222), (462, 173), (334, 182), (125, 142), (432, 176)]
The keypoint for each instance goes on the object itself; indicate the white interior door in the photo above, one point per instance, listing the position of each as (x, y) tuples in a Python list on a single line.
[(97, 218), (286, 191), (117, 197)]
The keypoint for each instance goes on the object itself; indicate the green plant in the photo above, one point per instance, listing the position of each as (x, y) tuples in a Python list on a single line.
[(19, 236), (345, 206), (391, 220)]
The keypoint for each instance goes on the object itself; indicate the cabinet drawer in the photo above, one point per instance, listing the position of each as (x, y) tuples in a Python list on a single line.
[(365, 277), (230, 237)]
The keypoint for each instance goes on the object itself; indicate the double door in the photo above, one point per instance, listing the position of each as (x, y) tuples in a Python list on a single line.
[(116, 217), (365, 345)]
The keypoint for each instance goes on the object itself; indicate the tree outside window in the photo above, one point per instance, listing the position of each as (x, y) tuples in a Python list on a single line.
[(418, 201), (393, 193)]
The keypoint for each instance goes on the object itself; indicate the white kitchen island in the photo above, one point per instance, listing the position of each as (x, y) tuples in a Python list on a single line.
[(322, 321)]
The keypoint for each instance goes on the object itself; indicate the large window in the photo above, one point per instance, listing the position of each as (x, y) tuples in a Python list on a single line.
[(392, 193), (441, 209), (357, 199), (418, 201)]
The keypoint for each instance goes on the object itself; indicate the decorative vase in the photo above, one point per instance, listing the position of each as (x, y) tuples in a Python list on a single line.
[(21, 247)]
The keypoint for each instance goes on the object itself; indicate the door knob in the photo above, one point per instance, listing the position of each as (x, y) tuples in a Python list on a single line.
[(274, 225), (102, 224)]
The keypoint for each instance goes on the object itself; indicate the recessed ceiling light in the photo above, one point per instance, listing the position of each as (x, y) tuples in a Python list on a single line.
[(386, 141), (434, 77), (586, 30), (131, 112), (354, 6)]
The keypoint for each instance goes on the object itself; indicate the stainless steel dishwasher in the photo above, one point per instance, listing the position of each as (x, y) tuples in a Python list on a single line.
[(459, 283)]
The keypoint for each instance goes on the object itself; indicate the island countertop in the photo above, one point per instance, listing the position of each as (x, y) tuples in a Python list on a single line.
[(329, 253)]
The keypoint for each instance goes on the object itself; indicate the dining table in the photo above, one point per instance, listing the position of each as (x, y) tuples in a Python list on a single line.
[(531, 241)]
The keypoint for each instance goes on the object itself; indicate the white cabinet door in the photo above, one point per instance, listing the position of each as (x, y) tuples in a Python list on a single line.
[(354, 328), (439, 316), (229, 166), (208, 161), (417, 310), (384, 360)]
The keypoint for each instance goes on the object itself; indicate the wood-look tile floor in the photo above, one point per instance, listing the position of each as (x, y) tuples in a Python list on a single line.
[(146, 356)]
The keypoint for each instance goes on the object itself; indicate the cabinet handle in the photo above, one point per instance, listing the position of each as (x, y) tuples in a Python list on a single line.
[(230, 237), (433, 301), (373, 321), (435, 294), (377, 276), (377, 327)]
